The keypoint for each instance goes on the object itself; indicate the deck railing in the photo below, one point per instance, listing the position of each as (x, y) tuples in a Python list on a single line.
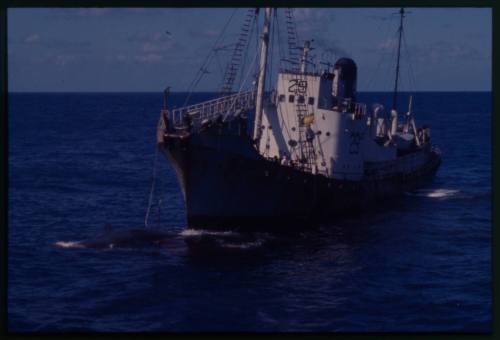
[(359, 109), (223, 106)]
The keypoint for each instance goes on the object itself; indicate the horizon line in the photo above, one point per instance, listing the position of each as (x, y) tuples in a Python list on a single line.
[(118, 92)]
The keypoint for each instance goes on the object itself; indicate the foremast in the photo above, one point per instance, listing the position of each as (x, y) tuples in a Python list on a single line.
[(400, 30), (262, 74)]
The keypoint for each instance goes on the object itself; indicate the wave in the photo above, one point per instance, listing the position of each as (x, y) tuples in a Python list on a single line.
[(69, 244), (435, 193), (244, 245), (226, 240), (202, 232)]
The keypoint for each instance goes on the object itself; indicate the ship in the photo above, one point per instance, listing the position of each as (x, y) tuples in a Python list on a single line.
[(301, 153)]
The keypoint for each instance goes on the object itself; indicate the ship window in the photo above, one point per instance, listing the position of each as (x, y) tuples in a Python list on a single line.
[(291, 98), (311, 101), (301, 100), (282, 98)]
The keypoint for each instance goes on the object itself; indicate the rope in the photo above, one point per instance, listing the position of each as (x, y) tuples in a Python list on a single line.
[(241, 87), (150, 202), (207, 60), (270, 57), (411, 74), (370, 81), (247, 49)]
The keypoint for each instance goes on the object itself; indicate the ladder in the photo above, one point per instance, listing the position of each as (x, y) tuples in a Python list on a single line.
[(234, 64), (291, 29), (306, 141)]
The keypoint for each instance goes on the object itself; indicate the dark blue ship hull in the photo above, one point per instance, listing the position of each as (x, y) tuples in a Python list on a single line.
[(226, 183)]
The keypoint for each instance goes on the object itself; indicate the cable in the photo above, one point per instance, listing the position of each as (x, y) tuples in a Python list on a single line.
[(249, 42), (208, 59), (370, 81), (411, 73), (150, 202)]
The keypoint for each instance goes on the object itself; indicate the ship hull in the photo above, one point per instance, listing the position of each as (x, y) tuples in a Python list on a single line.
[(227, 184)]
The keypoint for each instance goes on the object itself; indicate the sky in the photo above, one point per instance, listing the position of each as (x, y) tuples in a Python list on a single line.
[(145, 50)]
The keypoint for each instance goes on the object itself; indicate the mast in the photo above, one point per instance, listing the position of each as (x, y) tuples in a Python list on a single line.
[(262, 74), (394, 98), (305, 52)]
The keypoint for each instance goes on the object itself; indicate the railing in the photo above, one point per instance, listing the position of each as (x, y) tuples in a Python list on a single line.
[(359, 109), (224, 106), (346, 105)]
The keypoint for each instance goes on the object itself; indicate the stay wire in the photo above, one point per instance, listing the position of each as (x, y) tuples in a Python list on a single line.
[(208, 59), (381, 58), (247, 49), (411, 72)]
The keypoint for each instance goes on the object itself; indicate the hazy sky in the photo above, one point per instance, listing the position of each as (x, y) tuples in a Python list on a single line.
[(100, 49)]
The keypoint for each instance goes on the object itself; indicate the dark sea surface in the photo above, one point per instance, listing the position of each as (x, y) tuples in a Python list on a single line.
[(80, 161)]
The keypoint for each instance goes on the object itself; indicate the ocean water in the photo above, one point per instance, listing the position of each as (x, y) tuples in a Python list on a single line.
[(80, 161)]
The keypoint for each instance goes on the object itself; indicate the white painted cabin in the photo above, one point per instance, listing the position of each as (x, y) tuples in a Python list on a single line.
[(344, 137)]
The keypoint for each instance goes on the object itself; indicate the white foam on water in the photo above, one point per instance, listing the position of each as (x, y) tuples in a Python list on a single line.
[(245, 245), (434, 193), (442, 193), (200, 232), (69, 244)]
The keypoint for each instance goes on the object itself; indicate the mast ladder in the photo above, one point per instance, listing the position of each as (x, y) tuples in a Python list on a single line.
[(234, 64)]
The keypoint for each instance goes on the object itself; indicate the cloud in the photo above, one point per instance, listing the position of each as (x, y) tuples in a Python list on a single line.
[(150, 37), (59, 59), (64, 59), (121, 57), (308, 14), (330, 49), (436, 52), (140, 58), (33, 38), (150, 58), (57, 44), (445, 52), (387, 45), (156, 42), (68, 14), (375, 17), (312, 21), (204, 33)]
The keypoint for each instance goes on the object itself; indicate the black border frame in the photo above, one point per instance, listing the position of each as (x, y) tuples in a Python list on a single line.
[(246, 3)]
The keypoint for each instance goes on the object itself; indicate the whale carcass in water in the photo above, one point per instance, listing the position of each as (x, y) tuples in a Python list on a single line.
[(128, 238)]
